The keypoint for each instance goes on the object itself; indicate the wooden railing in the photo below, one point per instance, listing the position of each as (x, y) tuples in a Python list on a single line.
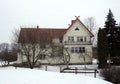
[(75, 42), (79, 70)]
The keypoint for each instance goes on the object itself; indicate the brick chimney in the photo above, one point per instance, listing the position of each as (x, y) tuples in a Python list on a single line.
[(37, 26)]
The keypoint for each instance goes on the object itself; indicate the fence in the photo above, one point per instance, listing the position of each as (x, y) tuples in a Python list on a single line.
[(79, 70), (76, 70)]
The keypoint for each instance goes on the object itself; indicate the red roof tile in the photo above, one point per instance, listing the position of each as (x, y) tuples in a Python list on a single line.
[(32, 35)]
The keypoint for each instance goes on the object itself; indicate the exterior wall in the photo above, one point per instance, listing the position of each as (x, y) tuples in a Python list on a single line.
[(81, 32), (56, 40), (78, 57), (22, 58), (75, 57)]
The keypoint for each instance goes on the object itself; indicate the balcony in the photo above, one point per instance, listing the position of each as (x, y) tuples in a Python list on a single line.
[(77, 43)]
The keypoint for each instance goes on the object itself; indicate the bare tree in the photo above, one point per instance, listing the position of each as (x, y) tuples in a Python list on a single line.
[(4, 53), (66, 57), (91, 25), (15, 47), (55, 54), (4, 46), (61, 54), (32, 52), (32, 45), (15, 36), (85, 55)]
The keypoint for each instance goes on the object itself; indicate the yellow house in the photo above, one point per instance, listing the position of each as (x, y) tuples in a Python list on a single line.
[(76, 38)]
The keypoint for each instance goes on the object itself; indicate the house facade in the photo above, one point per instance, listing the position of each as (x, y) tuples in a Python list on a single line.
[(76, 38)]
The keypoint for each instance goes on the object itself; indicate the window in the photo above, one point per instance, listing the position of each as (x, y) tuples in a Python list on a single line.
[(78, 49), (42, 46), (83, 49), (42, 56), (60, 39), (78, 39), (76, 29), (72, 49), (81, 39), (70, 39)]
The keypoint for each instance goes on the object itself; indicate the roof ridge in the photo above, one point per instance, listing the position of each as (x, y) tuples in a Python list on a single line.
[(47, 28), (53, 28)]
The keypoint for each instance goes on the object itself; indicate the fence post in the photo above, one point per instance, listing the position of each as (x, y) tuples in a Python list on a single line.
[(95, 71), (46, 68), (60, 69), (75, 70)]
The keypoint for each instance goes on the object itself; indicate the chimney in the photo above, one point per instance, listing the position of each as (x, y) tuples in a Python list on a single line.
[(37, 26)]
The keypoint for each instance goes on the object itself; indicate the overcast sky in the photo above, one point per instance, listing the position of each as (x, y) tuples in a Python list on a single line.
[(51, 13)]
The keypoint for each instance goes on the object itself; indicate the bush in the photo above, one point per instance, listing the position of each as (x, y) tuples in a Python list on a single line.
[(24, 65), (111, 74)]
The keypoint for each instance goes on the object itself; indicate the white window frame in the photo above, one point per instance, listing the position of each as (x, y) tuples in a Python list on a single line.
[(81, 39), (70, 38), (77, 49)]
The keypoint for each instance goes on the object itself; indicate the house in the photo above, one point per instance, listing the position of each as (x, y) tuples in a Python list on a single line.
[(76, 39)]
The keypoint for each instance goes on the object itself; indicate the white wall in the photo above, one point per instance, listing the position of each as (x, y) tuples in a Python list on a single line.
[(75, 57)]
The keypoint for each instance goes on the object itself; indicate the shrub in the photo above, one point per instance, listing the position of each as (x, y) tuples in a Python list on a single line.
[(24, 65), (111, 74)]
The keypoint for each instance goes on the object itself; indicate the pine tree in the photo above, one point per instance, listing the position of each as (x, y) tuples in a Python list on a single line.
[(111, 34), (102, 48), (117, 47)]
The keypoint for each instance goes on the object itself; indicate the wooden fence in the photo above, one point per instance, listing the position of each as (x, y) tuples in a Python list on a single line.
[(79, 70)]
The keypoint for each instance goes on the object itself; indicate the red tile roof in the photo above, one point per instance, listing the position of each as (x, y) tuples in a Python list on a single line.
[(32, 35), (29, 35)]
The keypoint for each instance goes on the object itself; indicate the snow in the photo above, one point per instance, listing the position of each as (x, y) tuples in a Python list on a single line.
[(10, 75), (95, 61)]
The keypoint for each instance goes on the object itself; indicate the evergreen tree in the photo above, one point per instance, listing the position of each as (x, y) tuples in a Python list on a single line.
[(116, 59), (118, 42), (102, 48), (111, 35), (110, 26)]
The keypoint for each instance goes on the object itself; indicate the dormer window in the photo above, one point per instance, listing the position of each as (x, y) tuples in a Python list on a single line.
[(76, 29)]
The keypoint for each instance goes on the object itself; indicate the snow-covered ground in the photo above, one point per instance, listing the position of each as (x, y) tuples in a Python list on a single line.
[(10, 75)]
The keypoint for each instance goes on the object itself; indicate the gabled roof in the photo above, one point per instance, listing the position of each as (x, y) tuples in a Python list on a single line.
[(77, 19), (29, 35), (32, 35)]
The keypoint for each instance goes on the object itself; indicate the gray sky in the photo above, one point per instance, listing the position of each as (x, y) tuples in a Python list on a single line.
[(51, 13)]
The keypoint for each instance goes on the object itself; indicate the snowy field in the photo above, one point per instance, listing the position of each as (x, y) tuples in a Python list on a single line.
[(57, 69), (10, 75), (48, 74)]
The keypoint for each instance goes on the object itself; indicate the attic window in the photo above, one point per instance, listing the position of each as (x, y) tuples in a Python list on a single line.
[(76, 29)]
